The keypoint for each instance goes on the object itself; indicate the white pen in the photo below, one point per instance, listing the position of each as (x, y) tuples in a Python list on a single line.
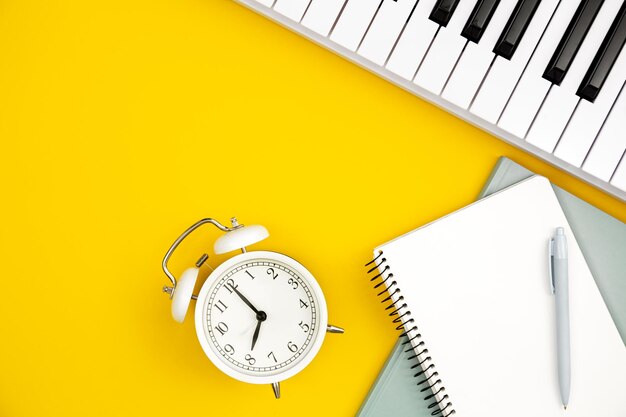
[(560, 289)]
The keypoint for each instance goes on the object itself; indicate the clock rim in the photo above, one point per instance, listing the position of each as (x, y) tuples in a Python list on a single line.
[(304, 360)]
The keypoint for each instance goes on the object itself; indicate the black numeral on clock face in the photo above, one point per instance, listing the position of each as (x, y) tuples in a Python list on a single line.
[(272, 273), (221, 306), (230, 284), (249, 274), (250, 359), (229, 349), (271, 355), (303, 304), (304, 326), (292, 346), (222, 328), (293, 283)]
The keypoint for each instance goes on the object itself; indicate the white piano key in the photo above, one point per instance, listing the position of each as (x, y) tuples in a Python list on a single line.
[(497, 87), (532, 87), (552, 118), (504, 74), (293, 9), (445, 50), (588, 118), (467, 75), (561, 101), (322, 15), (440, 60), (414, 41), (385, 30), (610, 144), (619, 178), (353, 22), (476, 59)]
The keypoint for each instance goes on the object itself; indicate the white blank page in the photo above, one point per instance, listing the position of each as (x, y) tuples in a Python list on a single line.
[(476, 282)]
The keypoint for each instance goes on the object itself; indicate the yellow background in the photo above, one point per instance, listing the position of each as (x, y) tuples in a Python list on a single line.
[(121, 123)]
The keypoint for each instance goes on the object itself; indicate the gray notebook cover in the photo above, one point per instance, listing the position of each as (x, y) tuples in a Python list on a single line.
[(602, 239)]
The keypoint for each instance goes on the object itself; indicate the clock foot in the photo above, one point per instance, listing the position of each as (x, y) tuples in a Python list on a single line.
[(334, 329), (276, 388)]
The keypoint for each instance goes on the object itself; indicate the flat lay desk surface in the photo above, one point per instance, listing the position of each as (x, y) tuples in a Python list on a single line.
[(122, 123)]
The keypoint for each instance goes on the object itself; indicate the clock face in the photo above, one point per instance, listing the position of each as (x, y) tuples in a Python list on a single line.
[(261, 317)]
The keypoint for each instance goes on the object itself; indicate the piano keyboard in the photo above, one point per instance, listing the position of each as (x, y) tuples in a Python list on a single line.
[(547, 76)]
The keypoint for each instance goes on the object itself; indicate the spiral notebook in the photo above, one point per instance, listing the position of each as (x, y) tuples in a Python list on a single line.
[(602, 240), (471, 291)]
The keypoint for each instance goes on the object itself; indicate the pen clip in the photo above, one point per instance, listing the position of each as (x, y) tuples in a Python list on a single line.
[(551, 264)]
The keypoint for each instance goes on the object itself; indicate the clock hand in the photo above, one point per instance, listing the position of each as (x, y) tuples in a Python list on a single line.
[(245, 300), (261, 317), (256, 334)]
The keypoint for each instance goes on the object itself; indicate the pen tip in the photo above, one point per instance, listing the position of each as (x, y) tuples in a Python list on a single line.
[(564, 407)]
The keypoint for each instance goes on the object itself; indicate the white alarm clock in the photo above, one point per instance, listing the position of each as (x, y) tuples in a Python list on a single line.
[(261, 316)]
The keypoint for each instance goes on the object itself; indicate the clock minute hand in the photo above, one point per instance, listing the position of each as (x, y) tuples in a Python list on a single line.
[(245, 300)]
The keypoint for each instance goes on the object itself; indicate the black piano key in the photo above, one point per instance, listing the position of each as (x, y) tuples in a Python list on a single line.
[(515, 28), (443, 10), (602, 63), (479, 19), (571, 41)]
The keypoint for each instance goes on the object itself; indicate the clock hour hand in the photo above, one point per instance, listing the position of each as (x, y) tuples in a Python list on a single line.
[(245, 300), (256, 334), (261, 317)]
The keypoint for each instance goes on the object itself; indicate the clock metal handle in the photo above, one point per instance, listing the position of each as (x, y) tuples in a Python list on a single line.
[(186, 233)]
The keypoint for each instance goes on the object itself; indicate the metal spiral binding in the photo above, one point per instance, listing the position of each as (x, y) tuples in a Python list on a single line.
[(429, 383)]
